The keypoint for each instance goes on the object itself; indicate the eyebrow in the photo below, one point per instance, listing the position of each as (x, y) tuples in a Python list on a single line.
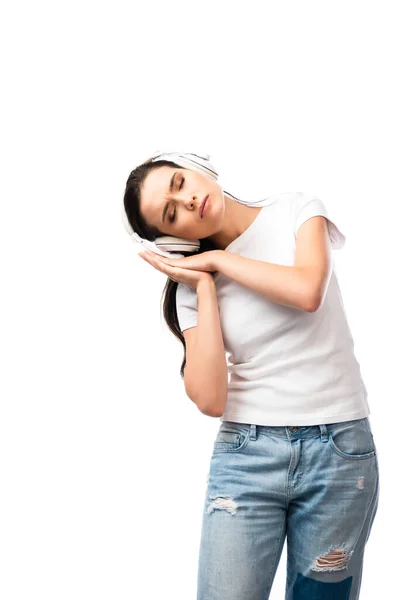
[(171, 185)]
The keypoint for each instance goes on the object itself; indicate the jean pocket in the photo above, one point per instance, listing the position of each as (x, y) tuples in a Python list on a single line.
[(231, 437), (353, 442)]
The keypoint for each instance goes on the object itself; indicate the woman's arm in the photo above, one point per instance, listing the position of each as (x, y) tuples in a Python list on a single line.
[(206, 371), (302, 285)]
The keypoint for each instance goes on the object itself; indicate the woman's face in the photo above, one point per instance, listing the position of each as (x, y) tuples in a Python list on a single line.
[(171, 198)]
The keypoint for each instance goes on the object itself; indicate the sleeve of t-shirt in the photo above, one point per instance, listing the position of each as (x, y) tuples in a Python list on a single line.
[(307, 206), (186, 306)]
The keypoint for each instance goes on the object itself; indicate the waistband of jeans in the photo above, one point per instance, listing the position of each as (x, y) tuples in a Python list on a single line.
[(298, 431)]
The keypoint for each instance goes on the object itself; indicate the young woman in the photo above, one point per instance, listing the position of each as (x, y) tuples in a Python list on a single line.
[(294, 457)]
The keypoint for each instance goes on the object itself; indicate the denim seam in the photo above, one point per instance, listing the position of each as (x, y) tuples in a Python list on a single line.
[(304, 436), (342, 454), (274, 566), (367, 513), (225, 448)]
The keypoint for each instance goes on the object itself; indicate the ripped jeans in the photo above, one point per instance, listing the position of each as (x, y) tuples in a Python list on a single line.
[(316, 486)]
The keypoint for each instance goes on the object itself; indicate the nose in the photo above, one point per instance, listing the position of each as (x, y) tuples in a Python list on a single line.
[(192, 202)]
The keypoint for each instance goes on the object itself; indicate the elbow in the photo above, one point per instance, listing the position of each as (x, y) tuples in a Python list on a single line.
[(314, 301), (211, 413), (212, 409)]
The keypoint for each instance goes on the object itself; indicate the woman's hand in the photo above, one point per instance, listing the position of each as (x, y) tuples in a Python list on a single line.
[(205, 261), (188, 270)]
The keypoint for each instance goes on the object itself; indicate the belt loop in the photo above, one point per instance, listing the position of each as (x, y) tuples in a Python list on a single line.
[(324, 433), (253, 432)]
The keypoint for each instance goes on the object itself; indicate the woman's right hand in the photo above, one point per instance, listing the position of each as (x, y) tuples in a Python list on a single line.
[(189, 277)]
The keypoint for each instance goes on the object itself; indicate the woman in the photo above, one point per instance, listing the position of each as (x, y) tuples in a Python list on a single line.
[(294, 457)]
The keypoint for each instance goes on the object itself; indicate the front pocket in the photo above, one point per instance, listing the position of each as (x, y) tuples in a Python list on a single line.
[(231, 437), (353, 442)]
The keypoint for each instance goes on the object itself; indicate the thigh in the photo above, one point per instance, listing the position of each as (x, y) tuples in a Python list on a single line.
[(244, 517), (331, 512)]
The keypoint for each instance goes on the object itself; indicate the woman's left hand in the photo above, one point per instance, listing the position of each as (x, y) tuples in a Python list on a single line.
[(205, 261)]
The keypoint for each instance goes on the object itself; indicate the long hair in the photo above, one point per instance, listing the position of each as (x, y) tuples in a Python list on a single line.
[(133, 188)]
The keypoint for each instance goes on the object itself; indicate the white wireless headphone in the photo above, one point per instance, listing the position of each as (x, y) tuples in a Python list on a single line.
[(168, 245)]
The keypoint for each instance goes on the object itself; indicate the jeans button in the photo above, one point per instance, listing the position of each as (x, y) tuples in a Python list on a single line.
[(293, 429)]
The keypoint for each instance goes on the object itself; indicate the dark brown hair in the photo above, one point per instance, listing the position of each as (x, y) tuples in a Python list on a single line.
[(133, 188)]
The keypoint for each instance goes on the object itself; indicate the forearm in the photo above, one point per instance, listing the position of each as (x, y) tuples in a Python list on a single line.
[(206, 374), (287, 285)]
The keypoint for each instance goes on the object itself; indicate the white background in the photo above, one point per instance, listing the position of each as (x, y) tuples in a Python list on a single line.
[(103, 457)]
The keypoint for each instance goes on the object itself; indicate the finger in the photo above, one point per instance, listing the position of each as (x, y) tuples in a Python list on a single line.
[(161, 258), (158, 264), (174, 262), (150, 256), (153, 259), (149, 259)]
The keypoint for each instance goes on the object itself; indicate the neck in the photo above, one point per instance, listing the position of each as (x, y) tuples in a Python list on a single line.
[(237, 218)]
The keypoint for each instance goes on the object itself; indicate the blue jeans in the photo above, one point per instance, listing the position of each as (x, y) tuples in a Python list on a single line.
[(316, 486)]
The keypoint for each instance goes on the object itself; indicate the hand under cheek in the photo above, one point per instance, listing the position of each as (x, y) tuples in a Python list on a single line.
[(164, 259)]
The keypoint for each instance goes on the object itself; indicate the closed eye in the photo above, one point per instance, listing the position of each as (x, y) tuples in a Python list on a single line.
[(172, 219)]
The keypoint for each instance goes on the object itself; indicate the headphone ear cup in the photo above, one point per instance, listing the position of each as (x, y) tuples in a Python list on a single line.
[(169, 243)]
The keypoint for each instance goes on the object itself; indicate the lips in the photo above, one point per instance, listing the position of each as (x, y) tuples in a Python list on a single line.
[(202, 206)]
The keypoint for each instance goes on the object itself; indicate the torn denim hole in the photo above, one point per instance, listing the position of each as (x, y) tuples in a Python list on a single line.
[(222, 503), (336, 559)]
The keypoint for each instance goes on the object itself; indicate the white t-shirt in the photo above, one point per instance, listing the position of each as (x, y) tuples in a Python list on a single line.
[(286, 366)]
